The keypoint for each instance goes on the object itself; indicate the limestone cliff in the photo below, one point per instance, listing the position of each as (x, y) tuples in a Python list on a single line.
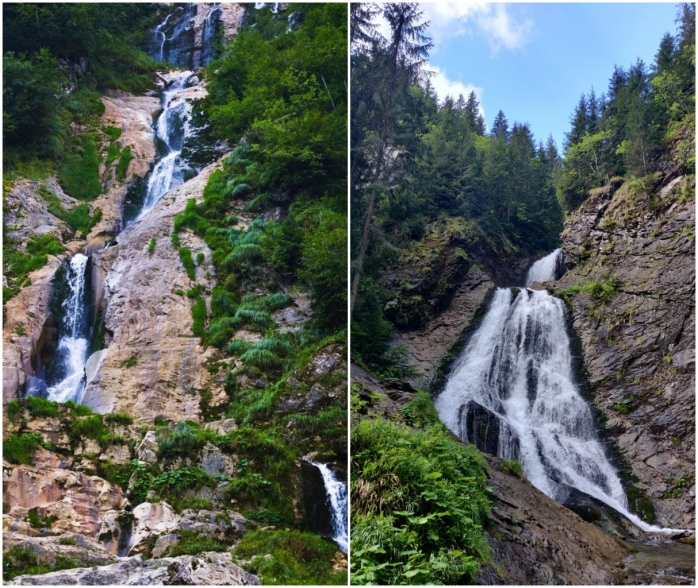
[(630, 249)]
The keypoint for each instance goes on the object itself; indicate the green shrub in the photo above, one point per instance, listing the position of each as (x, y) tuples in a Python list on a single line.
[(20, 448), (119, 418), (151, 246), (187, 262), (20, 330), (418, 506), (41, 407), (81, 410), (13, 409), (200, 258), (296, 558), (79, 173), (17, 265), (90, 427), (36, 521), (198, 315), (67, 541), (130, 362)]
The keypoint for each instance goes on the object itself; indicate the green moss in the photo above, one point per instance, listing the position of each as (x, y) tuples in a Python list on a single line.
[(130, 362), (639, 503), (112, 132), (512, 467), (293, 558), (67, 541)]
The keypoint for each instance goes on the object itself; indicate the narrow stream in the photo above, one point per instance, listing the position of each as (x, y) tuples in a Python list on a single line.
[(512, 393)]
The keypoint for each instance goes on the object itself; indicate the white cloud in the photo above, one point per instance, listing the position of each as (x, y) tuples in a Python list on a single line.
[(496, 21), (447, 87)]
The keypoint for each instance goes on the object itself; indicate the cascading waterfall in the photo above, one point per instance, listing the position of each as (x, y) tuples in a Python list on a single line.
[(73, 344), (159, 31), (337, 495), (208, 35), (171, 129), (512, 392)]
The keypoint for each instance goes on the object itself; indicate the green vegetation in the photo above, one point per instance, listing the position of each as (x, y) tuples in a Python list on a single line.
[(20, 330), (13, 409), (41, 407), (119, 418), (20, 560), (36, 521), (151, 246), (130, 362), (124, 161), (187, 262), (419, 504), (623, 133), (296, 558), (512, 467), (191, 543), (460, 188), (19, 448), (17, 264), (67, 541), (79, 172), (78, 218), (198, 315), (680, 486)]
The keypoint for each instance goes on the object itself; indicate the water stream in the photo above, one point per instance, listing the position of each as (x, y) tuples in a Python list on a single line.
[(73, 343), (513, 393), (336, 492)]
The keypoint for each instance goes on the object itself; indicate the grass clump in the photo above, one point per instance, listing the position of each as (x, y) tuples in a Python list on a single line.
[(512, 467), (36, 521), (119, 418), (20, 560), (79, 173), (187, 261), (17, 264), (124, 161), (13, 410), (19, 448), (296, 558), (41, 407), (419, 504), (151, 246), (198, 315), (191, 543), (130, 362)]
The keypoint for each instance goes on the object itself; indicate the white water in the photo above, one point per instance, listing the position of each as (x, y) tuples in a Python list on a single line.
[(518, 365), (171, 128), (158, 31), (544, 269), (337, 493), (73, 344)]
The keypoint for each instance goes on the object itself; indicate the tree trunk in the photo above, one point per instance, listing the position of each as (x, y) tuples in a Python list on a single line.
[(362, 251)]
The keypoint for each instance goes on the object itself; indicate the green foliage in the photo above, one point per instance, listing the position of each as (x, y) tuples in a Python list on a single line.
[(118, 474), (79, 409), (191, 543), (680, 486), (130, 362), (79, 173), (36, 521), (119, 418), (67, 541), (124, 161), (198, 315), (418, 506), (19, 560), (13, 409), (19, 448), (151, 246), (187, 262), (89, 427), (172, 485), (41, 407), (112, 132), (297, 558), (512, 467), (17, 265), (78, 218)]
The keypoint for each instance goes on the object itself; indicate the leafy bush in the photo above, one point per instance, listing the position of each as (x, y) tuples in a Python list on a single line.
[(296, 558), (198, 315), (187, 261), (151, 246), (191, 543), (20, 560), (13, 409), (512, 467), (17, 265), (418, 506)]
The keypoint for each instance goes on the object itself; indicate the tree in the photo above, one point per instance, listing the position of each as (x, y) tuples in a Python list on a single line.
[(500, 127)]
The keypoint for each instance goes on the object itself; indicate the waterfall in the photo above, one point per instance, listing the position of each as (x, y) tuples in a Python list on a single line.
[(512, 392), (159, 31), (72, 346), (208, 36), (171, 128), (336, 492), (551, 267)]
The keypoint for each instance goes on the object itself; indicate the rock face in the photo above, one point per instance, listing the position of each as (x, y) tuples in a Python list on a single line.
[(147, 322), (538, 541), (74, 500), (205, 569), (631, 290)]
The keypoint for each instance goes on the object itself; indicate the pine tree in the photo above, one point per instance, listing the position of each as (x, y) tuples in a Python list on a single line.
[(500, 127)]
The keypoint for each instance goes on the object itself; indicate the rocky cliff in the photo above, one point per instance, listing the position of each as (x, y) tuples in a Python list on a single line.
[(630, 249)]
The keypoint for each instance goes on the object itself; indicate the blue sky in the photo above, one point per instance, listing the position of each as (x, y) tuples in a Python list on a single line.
[(533, 61)]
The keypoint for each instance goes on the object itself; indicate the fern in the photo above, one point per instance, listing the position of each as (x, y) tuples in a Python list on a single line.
[(237, 346), (274, 344)]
